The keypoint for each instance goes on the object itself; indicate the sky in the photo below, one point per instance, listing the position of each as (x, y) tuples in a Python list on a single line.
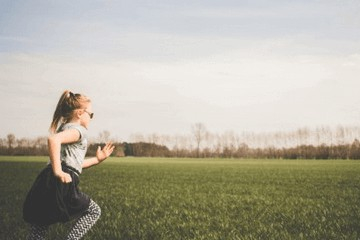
[(162, 66)]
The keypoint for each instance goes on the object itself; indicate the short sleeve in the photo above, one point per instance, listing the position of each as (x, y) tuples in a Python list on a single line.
[(73, 154), (81, 130)]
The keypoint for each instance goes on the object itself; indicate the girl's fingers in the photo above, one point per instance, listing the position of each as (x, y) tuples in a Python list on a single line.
[(110, 150), (109, 146), (107, 149), (66, 178)]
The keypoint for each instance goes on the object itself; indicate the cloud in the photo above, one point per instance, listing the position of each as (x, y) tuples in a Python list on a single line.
[(160, 67), (240, 85)]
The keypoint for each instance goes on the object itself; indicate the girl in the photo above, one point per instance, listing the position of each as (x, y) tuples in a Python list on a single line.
[(55, 196)]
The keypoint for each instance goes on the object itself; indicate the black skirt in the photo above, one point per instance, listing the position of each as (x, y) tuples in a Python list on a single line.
[(50, 201)]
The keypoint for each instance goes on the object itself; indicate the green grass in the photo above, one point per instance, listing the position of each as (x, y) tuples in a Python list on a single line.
[(158, 198)]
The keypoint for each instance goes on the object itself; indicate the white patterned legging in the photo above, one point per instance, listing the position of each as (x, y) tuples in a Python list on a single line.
[(81, 226)]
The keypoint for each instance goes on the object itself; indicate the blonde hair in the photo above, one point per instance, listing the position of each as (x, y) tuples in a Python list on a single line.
[(65, 108)]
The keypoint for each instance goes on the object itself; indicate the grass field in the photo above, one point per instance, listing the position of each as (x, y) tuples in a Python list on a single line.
[(144, 198)]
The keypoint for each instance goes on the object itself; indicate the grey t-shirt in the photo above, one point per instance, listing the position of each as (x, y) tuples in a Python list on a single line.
[(73, 154)]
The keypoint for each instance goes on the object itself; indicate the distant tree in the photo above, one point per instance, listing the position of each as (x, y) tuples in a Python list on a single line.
[(340, 135), (23, 142), (144, 149), (323, 152), (11, 140), (3, 142), (243, 150), (136, 148), (154, 139), (200, 133), (341, 151), (355, 150), (302, 136), (104, 136), (41, 142)]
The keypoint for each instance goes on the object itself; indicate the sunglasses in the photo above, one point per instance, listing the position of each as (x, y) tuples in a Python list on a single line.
[(91, 115)]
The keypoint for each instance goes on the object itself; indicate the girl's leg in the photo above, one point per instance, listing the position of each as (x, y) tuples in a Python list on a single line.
[(37, 232), (85, 222)]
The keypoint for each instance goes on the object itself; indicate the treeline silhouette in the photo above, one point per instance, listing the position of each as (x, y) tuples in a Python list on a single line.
[(38, 147)]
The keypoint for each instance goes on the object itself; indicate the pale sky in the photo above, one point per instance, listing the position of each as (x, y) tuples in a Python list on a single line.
[(161, 66)]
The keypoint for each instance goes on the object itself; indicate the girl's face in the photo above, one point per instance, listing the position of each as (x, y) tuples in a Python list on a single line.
[(86, 115)]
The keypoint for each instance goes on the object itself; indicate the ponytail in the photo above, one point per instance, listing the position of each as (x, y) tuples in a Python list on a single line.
[(68, 102)]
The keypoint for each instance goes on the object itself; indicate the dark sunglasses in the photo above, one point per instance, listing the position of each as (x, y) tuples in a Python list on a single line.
[(91, 115)]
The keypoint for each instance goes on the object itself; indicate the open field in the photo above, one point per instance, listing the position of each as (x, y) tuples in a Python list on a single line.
[(144, 198)]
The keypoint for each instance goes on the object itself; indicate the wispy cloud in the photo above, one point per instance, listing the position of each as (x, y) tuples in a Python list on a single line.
[(232, 65)]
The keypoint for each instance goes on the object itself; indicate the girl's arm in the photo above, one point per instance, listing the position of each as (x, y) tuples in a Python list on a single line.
[(101, 155), (54, 146)]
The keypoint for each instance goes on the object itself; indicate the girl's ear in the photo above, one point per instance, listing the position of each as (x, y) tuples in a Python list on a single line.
[(78, 113)]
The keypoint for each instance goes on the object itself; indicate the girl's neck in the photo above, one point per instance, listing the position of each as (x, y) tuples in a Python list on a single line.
[(74, 121)]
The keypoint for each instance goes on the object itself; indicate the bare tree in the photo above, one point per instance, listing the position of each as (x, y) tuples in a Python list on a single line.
[(23, 142), (154, 138), (340, 135), (137, 138), (200, 133), (3, 142), (11, 140), (104, 136)]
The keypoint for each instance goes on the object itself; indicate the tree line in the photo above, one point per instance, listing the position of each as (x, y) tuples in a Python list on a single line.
[(304, 143)]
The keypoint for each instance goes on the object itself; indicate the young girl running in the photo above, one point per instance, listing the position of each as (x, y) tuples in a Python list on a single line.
[(55, 196)]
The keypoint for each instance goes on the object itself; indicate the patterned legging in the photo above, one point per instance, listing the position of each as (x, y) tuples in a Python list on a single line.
[(81, 226)]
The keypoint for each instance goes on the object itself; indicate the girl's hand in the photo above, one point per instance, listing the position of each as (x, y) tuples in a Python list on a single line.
[(102, 154), (63, 177)]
